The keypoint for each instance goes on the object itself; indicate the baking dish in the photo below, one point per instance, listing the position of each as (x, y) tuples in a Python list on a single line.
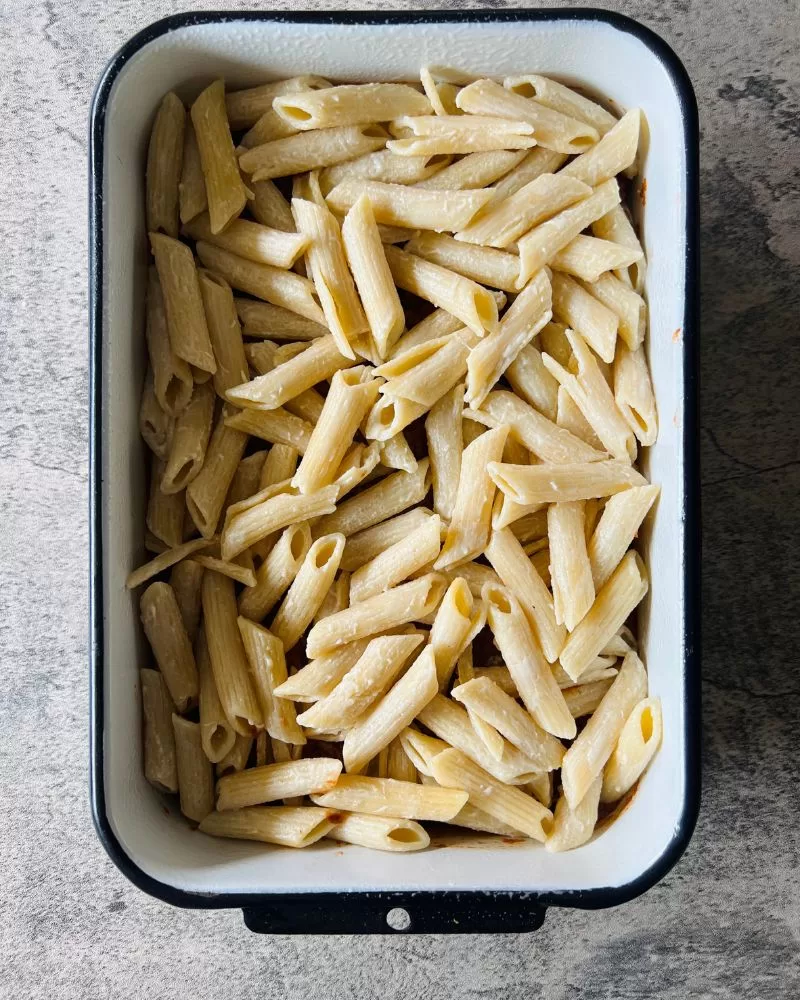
[(463, 885)]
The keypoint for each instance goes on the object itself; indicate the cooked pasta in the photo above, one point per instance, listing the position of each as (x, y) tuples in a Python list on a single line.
[(394, 405)]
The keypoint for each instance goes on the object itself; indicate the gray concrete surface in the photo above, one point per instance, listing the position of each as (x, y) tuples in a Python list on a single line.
[(726, 921)]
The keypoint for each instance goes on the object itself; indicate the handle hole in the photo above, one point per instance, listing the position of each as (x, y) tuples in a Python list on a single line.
[(398, 919)]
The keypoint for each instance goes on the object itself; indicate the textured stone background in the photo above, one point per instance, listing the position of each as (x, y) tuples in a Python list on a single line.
[(726, 921)]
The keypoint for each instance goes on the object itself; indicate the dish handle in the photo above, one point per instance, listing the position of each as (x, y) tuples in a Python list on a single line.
[(396, 913)]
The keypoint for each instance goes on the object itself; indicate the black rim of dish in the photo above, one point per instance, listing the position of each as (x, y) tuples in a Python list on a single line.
[(430, 911)]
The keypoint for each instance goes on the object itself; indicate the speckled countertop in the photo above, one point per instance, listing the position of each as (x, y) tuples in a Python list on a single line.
[(726, 921)]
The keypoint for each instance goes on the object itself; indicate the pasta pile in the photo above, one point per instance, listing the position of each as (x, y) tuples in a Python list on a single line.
[(392, 557)]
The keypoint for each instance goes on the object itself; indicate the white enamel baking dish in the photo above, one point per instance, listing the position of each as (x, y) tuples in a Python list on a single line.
[(331, 888)]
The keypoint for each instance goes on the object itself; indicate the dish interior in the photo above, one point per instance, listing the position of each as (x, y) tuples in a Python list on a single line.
[(616, 67)]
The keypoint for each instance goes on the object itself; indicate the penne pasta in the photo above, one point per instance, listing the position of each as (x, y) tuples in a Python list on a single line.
[(570, 571), (541, 243), (616, 226), (251, 240), (481, 264), (164, 162), (571, 419), (398, 561), (389, 797), (387, 718), (217, 735), (411, 207), (270, 208), (451, 134), (396, 453), (555, 483), (359, 462), (155, 425), (288, 779), (573, 827), (288, 826), (445, 445), (546, 440), (245, 480), (280, 287), (453, 726), (623, 591), (396, 606), (562, 99), (612, 155), (158, 739), (327, 264), (297, 154), (504, 220), (384, 166), (363, 546), (380, 833), (424, 374), (224, 332), (276, 572), (595, 322), (588, 257), (265, 653), (270, 126), (165, 511), (617, 528), (365, 255), (583, 699), (475, 170), (489, 702), (323, 639), (238, 757), (633, 393), (390, 496), (590, 392), (519, 575), (458, 620), (186, 579), (319, 362), (225, 189), (350, 396), (163, 626), (195, 774), (367, 680), (261, 319), (638, 742), (228, 659), (522, 321), (192, 197), (398, 763), (308, 589), (183, 303), (206, 493), (435, 325), (551, 128), (355, 104), (591, 750), (245, 107), (509, 805), (172, 376), (164, 560), (471, 522), (277, 426), (537, 161), (189, 440), (625, 303), (319, 677), (272, 513), (526, 663)]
